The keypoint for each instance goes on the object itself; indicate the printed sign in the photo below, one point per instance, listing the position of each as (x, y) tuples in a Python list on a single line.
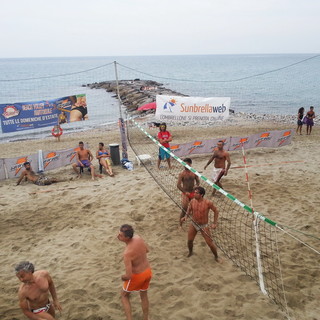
[(15, 166), (195, 109), (2, 170), (269, 139), (32, 115)]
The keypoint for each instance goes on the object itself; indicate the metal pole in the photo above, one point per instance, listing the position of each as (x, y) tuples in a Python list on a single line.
[(121, 121)]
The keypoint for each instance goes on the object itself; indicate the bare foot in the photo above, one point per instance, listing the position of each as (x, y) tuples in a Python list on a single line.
[(190, 254), (219, 260)]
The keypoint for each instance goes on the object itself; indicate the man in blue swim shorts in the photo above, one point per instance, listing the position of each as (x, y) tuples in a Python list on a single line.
[(84, 158)]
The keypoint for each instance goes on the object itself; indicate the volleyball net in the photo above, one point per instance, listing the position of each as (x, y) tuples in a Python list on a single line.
[(243, 237)]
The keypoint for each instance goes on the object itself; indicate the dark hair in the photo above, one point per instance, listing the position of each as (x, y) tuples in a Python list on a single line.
[(221, 141), (187, 160), (201, 190), (163, 124), (127, 230), (301, 110), (81, 142), (24, 266), (101, 143), (27, 162)]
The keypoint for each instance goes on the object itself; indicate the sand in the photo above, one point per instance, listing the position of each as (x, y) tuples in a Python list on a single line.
[(70, 229)]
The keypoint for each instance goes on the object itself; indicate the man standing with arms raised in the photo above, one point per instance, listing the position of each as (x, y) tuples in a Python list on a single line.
[(34, 292), (138, 272), (220, 157)]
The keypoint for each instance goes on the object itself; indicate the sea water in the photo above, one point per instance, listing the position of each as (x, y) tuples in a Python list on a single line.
[(257, 83)]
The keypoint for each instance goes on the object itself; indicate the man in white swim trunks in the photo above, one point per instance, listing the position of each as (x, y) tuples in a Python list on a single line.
[(34, 292), (220, 157)]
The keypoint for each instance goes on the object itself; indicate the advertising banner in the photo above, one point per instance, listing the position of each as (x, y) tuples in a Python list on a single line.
[(56, 159), (32, 115), (2, 170), (267, 139), (195, 109), (15, 166), (197, 147)]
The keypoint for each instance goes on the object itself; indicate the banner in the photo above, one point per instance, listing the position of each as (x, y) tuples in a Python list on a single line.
[(267, 139), (195, 109), (15, 166), (197, 147), (2, 170), (33, 115), (56, 159)]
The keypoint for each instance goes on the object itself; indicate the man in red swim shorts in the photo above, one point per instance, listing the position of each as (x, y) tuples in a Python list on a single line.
[(187, 180), (138, 272)]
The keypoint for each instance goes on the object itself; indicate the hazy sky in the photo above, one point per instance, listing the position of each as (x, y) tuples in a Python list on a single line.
[(60, 28)]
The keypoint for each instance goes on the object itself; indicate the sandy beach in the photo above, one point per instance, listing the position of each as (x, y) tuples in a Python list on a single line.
[(70, 229)]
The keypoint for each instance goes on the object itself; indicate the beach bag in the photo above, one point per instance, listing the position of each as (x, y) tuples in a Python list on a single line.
[(126, 164), (305, 120)]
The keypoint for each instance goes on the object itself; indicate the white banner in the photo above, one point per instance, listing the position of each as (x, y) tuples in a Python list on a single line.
[(196, 109)]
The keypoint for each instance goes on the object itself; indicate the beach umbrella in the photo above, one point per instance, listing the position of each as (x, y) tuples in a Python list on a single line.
[(148, 106)]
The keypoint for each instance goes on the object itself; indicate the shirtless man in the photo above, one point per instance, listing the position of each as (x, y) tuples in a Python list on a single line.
[(84, 158), (198, 211), (185, 184), (220, 157), (138, 272), (34, 292), (30, 175)]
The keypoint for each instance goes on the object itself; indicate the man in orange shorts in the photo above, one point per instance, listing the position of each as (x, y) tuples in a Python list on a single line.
[(138, 272)]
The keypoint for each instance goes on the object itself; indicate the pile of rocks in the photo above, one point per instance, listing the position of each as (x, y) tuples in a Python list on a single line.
[(135, 93)]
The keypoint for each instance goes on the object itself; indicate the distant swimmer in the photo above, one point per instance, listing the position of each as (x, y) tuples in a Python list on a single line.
[(34, 292), (187, 180), (138, 272), (220, 158), (198, 211), (29, 175)]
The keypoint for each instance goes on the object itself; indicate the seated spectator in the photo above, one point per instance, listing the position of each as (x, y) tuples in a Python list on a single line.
[(103, 156)]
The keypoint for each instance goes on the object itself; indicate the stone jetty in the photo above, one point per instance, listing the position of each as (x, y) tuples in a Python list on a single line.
[(135, 93)]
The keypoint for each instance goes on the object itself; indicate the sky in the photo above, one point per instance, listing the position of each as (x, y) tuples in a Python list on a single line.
[(71, 28)]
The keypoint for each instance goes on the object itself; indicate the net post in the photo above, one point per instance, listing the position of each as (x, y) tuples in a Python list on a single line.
[(121, 121)]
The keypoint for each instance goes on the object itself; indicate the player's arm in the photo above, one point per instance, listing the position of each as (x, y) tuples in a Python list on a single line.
[(90, 155), (78, 159), (170, 138), (215, 214), (128, 267), (197, 180), (23, 174), (53, 292), (228, 163), (210, 160), (179, 183), (189, 211)]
